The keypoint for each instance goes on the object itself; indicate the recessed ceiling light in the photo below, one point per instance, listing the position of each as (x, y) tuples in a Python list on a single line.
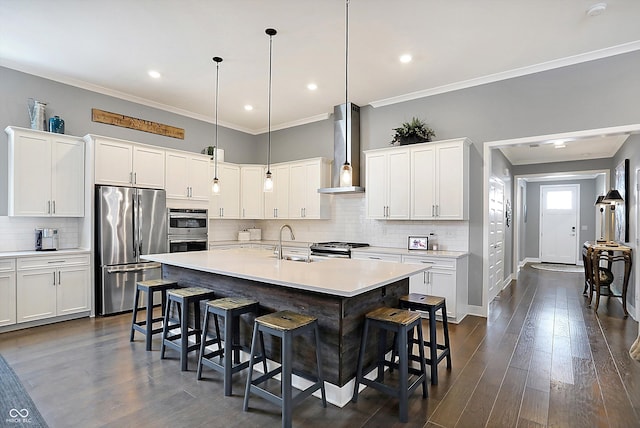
[(248, 107), (405, 58), (154, 74), (596, 9), (312, 86)]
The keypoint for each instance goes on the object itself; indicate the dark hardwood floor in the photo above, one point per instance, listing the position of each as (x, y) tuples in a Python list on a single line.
[(541, 359)]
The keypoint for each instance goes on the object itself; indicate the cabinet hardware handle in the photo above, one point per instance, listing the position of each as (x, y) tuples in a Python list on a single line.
[(48, 207), (243, 214), (375, 258), (56, 261), (222, 211), (59, 280), (54, 278), (438, 210), (54, 207), (131, 177), (135, 178)]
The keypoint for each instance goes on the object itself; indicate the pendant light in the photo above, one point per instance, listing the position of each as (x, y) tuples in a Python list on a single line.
[(268, 182), (346, 172), (215, 185)]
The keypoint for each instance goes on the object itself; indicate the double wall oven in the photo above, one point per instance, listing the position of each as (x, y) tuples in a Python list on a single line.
[(187, 229)]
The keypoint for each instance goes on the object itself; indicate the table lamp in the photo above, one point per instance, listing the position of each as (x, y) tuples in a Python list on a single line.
[(612, 198), (603, 235)]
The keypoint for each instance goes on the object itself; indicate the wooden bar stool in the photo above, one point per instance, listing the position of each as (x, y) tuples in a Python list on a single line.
[(146, 326), (399, 322), (230, 308), (182, 297), (431, 305), (286, 325)]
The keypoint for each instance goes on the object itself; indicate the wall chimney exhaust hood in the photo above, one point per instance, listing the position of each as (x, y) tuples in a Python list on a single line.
[(345, 141)]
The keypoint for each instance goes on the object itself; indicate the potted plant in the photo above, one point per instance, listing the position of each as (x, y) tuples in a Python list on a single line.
[(415, 131)]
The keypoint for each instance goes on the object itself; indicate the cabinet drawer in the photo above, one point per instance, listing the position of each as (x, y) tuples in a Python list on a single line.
[(7, 265), (52, 261), (436, 262), (378, 256)]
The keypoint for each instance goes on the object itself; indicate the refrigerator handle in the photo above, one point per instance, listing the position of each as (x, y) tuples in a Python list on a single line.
[(139, 226), (133, 221)]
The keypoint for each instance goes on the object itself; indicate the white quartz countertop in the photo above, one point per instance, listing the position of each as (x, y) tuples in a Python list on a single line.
[(33, 253), (335, 276), (406, 252)]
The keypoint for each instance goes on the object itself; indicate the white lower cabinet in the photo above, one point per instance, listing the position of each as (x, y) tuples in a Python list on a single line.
[(52, 286), (7, 292), (447, 278)]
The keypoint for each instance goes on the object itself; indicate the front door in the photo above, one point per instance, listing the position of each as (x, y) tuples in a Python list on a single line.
[(559, 223)]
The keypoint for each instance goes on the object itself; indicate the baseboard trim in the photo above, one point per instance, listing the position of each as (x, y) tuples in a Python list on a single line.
[(476, 311), (44, 321)]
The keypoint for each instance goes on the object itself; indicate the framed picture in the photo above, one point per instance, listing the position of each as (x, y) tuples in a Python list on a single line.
[(622, 210), (418, 243)]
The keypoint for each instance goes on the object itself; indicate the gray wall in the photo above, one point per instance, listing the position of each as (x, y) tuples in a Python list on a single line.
[(597, 94), (74, 106), (588, 195)]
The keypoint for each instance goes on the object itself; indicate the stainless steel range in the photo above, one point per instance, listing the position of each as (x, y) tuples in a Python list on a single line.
[(335, 249)]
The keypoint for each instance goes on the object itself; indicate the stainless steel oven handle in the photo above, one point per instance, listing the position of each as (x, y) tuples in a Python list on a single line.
[(193, 216), (181, 241)]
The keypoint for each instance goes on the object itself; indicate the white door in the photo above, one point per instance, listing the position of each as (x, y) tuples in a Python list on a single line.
[(398, 185), (199, 180), (177, 183), (559, 223), (67, 184), (496, 237)]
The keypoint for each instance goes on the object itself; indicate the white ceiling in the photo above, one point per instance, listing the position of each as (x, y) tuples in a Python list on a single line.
[(578, 149), (108, 46)]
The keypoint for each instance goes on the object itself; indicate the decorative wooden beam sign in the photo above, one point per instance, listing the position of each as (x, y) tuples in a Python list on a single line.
[(123, 121)]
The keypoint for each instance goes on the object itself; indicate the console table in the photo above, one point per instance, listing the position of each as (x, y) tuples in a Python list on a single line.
[(597, 276)]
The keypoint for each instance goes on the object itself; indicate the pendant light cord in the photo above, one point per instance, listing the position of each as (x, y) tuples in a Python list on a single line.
[(271, 32), (217, 60), (346, 86)]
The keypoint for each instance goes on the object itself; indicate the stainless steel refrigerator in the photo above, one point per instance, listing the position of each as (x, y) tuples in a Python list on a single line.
[(129, 224)]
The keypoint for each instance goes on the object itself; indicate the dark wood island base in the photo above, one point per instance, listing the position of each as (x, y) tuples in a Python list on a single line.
[(341, 319)]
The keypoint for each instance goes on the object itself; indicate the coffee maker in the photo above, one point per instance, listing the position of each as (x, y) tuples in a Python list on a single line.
[(46, 239)]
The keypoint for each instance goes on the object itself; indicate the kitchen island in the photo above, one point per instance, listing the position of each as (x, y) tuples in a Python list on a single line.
[(339, 292)]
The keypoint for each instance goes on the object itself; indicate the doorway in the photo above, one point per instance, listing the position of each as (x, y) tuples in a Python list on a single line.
[(487, 147), (559, 220)]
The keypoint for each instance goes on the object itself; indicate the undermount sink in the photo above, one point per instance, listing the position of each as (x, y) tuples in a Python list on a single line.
[(296, 258)]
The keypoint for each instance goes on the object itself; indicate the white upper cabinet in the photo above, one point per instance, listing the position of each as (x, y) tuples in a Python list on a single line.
[(305, 179), (46, 174), (276, 203), (227, 203), (427, 181), (439, 180), (187, 176), (251, 193), (387, 184), (123, 163)]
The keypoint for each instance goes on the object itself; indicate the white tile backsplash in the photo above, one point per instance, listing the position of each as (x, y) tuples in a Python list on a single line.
[(349, 223), (18, 233)]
